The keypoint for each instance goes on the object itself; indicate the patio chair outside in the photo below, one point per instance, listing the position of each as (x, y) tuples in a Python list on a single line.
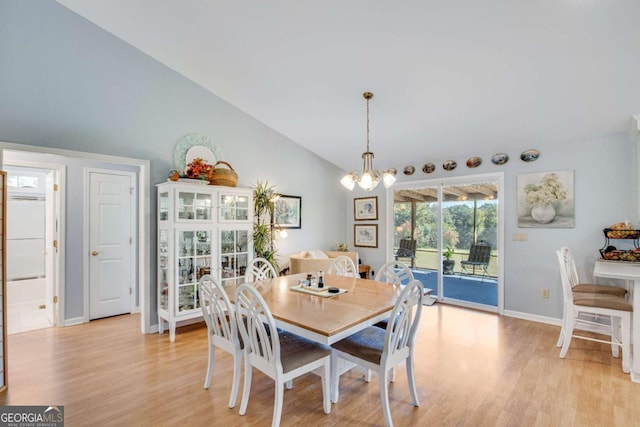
[(407, 249), (479, 256)]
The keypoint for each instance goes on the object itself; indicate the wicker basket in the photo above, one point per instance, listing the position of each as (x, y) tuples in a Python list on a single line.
[(221, 176)]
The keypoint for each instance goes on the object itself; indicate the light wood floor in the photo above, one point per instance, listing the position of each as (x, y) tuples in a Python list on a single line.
[(473, 369)]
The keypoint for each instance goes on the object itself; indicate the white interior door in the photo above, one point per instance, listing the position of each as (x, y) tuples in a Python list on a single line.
[(51, 244), (110, 244)]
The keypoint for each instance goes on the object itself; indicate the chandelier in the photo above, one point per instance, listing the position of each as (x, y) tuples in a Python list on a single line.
[(370, 177)]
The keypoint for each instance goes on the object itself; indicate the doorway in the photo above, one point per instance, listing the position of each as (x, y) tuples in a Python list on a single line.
[(32, 257), (446, 218)]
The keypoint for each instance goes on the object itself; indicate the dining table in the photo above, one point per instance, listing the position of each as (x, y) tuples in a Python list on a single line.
[(630, 272), (324, 317)]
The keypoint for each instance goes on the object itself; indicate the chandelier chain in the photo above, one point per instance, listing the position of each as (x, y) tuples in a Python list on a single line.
[(368, 98)]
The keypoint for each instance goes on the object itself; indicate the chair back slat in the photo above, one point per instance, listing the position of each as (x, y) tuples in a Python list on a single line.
[(343, 266), (394, 272), (407, 248), (259, 269), (257, 327), (480, 252), (568, 273), (400, 334), (217, 309)]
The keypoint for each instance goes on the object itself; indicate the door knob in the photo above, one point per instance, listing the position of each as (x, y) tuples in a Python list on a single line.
[(94, 253)]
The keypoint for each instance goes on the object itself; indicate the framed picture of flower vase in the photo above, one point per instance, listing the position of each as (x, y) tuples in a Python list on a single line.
[(546, 200)]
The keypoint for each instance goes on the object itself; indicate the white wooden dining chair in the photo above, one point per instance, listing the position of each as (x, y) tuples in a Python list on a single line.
[(382, 349), (394, 272), (259, 269), (343, 266), (280, 355), (579, 287), (222, 330), (590, 310)]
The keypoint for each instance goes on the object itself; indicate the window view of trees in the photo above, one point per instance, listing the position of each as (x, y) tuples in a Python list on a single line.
[(459, 218)]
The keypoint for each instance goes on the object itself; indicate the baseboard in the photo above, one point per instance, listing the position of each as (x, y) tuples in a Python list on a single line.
[(74, 321), (533, 317)]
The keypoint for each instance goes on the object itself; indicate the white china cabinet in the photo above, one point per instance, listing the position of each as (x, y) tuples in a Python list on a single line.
[(202, 229)]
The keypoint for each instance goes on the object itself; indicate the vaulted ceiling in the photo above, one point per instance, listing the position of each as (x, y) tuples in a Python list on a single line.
[(450, 78)]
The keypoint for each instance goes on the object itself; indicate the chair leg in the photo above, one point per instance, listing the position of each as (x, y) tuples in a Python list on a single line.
[(326, 388), (289, 384), (277, 404), (248, 369), (367, 374), (384, 396), (568, 333), (562, 327), (207, 378), (412, 381), (616, 339), (625, 337), (237, 358)]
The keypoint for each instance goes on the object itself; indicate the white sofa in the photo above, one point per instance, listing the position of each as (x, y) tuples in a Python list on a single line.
[(316, 260)]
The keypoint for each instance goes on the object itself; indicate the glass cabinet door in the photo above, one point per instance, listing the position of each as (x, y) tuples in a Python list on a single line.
[(234, 255), (194, 205), (194, 260), (163, 206), (163, 268), (234, 207)]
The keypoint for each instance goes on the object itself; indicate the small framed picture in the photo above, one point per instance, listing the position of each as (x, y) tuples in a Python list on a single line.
[(288, 212), (365, 235), (365, 208)]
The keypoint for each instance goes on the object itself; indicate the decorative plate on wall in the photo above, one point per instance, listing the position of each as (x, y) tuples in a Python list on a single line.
[(428, 168), (500, 159), (474, 162), (409, 170), (192, 146), (529, 155), (449, 165)]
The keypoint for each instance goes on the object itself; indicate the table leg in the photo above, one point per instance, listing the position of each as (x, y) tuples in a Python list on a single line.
[(635, 332)]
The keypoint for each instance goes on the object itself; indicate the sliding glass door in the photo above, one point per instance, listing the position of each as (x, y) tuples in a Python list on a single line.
[(454, 226)]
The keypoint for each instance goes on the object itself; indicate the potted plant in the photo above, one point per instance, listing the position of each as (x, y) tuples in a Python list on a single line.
[(448, 263), (264, 197)]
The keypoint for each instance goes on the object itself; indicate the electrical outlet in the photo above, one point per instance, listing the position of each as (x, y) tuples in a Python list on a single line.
[(545, 293), (519, 237)]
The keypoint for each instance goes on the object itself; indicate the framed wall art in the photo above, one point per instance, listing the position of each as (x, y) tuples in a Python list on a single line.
[(288, 212), (545, 200), (365, 235), (365, 208)]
